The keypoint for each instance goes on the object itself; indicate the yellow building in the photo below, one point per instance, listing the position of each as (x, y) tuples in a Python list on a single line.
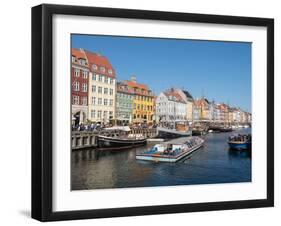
[(143, 103)]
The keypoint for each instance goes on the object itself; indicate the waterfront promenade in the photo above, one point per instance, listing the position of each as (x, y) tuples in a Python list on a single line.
[(88, 139)]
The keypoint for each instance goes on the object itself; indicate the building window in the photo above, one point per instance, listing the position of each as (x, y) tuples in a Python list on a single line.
[(94, 88), (73, 59), (77, 72), (102, 69), (99, 89), (100, 78), (93, 113), (75, 100), (105, 101), (94, 77), (111, 102), (111, 91), (99, 114), (76, 86), (105, 79), (95, 67), (105, 114), (84, 100), (105, 90), (82, 62), (110, 71), (93, 100), (110, 114), (85, 74), (111, 81), (84, 87), (99, 101)]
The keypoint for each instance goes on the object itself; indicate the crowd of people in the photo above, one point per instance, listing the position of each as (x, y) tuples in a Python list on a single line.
[(101, 126)]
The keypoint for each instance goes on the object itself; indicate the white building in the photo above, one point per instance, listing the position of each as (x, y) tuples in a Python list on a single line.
[(170, 106), (188, 99), (102, 88)]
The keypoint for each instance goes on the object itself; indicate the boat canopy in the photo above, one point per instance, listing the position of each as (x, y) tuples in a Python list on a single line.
[(120, 128)]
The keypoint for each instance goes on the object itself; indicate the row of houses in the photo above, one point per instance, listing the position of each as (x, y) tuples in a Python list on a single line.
[(178, 104), (97, 96), (205, 110)]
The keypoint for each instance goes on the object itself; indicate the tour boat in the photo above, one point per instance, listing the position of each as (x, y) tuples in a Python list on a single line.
[(240, 142), (171, 152), (116, 138)]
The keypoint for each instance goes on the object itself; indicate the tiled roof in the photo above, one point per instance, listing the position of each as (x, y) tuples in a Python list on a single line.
[(136, 85), (173, 95), (201, 102), (100, 61), (78, 54), (123, 88), (187, 94)]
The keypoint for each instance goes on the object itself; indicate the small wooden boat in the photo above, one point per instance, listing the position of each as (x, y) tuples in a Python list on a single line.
[(171, 133), (171, 152), (120, 142), (240, 142), (226, 129), (118, 138)]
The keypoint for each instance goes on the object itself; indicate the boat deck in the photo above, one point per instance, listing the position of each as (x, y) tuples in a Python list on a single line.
[(175, 156)]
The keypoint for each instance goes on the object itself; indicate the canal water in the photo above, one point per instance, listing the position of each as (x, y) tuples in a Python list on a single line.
[(213, 163)]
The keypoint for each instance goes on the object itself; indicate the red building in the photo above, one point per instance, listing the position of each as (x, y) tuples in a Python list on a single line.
[(80, 82)]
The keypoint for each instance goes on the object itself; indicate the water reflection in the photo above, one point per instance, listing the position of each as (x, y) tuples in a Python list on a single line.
[(239, 153), (214, 163)]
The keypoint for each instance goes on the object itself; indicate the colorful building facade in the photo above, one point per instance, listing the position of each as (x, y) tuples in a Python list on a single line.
[(188, 99), (102, 88), (79, 87), (202, 110), (124, 103), (170, 106), (143, 102)]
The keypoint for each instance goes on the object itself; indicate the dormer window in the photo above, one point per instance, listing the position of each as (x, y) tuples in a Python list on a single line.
[(110, 71), (102, 69), (82, 62), (73, 59), (95, 67)]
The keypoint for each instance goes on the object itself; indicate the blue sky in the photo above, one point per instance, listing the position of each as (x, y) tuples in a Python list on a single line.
[(220, 71)]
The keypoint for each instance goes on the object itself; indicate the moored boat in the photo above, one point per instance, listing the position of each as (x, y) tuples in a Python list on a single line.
[(119, 142), (171, 152), (240, 142), (167, 133), (118, 138)]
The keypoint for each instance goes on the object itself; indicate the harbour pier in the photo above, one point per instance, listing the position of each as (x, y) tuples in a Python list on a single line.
[(88, 139)]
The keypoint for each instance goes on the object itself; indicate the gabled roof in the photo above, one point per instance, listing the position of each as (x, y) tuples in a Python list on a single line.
[(78, 54), (172, 95), (137, 85), (201, 102), (187, 94), (100, 61)]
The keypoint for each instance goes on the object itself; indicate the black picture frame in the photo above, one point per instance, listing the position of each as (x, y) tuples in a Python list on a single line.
[(42, 111)]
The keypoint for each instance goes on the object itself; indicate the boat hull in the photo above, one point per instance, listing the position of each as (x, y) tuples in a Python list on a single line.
[(239, 146), (158, 158), (171, 134), (118, 144)]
